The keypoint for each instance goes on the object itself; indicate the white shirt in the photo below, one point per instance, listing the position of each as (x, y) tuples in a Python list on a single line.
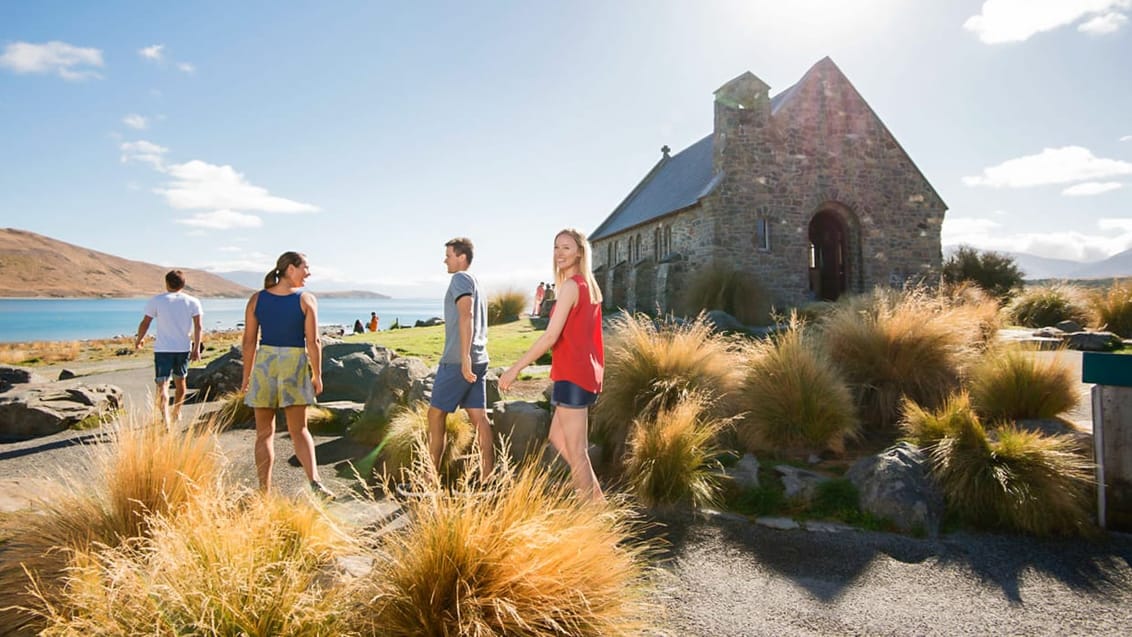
[(172, 315)]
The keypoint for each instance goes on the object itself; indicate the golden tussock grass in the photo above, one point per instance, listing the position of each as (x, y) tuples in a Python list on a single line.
[(39, 352), (1113, 308), (506, 306), (407, 438), (1012, 384)]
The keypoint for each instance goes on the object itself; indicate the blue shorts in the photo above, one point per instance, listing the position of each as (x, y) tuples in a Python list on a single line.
[(567, 394), (175, 364), (450, 391)]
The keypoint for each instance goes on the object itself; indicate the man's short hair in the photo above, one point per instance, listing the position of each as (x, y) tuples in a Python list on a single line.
[(461, 245), (175, 279)]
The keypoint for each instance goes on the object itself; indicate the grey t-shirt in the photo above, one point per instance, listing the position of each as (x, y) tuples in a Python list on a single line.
[(464, 284)]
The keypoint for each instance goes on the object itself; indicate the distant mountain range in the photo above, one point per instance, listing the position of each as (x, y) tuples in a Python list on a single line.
[(32, 265), (254, 280), (1035, 267)]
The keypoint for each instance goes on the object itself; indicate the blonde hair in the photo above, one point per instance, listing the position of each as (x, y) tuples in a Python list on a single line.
[(585, 263)]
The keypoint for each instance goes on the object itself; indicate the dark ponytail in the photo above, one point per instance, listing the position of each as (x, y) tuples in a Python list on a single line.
[(284, 260)]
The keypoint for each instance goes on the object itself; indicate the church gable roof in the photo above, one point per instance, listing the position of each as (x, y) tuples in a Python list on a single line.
[(675, 182)]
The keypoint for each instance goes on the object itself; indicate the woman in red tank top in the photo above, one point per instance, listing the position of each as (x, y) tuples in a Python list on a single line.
[(574, 333)]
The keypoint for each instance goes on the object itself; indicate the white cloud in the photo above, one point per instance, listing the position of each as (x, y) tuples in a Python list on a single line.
[(1001, 21), (222, 220), (145, 152), (198, 185), (1071, 245), (133, 120), (1126, 138), (155, 52), (186, 68), (1051, 166), (1103, 24), (65, 60), (1092, 188)]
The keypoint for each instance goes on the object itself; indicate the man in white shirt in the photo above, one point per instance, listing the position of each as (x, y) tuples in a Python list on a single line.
[(177, 314)]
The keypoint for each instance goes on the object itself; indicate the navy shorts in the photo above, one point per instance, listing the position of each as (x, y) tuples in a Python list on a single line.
[(175, 364), (567, 394), (450, 391)]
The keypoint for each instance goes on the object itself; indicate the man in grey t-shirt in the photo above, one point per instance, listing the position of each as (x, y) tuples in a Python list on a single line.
[(460, 377)]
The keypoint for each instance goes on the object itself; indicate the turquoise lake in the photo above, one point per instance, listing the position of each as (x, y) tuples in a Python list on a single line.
[(24, 320)]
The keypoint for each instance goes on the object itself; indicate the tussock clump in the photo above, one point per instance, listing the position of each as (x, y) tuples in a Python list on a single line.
[(1045, 306), (649, 369), (670, 456), (407, 440), (525, 558), (718, 287), (890, 345), (1010, 384), (793, 397), (233, 412), (506, 306), (1113, 308)]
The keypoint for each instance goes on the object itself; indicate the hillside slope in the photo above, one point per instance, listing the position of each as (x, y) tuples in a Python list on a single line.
[(32, 265)]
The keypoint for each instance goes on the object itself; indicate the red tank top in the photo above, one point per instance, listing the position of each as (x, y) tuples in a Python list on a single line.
[(579, 352)]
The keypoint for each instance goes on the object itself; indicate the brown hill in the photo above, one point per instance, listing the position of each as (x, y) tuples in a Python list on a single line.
[(32, 265)]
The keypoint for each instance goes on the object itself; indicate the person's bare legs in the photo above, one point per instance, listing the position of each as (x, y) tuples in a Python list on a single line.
[(161, 401), (180, 387), (302, 439), (568, 435), (487, 442), (437, 438), (264, 447)]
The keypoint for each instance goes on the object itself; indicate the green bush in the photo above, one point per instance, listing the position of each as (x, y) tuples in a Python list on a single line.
[(671, 456), (1043, 306), (1113, 308), (718, 287), (1012, 384), (793, 397), (506, 306), (994, 272)]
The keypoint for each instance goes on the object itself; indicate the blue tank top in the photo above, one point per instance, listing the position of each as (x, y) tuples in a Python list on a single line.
[(280, 319)]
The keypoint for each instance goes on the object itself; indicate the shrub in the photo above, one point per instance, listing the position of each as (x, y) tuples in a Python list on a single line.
[(926, 427), (1043, 306), (650, 368), (526, 558), (1011, 384), (219, 568), (890, 345), (407, 440), (994, 272), (233, 412), (970, 309), (719, 287), (141, 472), (793, 397), (1113, 308), (670, 458), (506, 306)]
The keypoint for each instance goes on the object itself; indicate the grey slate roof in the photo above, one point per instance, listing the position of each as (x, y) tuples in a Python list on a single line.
[(676, 182)]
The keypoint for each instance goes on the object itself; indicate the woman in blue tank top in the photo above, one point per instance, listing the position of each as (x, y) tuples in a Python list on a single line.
[(285, 370)]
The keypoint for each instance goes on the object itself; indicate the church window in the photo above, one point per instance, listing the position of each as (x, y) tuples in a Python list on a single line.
[(762, 234)]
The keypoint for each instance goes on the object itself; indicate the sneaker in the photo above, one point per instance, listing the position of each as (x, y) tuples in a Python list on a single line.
[(322, 492)]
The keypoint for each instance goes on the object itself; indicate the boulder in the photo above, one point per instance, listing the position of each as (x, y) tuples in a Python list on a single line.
[(33, 412), (66, 374), (402, 382), (800, 483), (745, 473), (723, 322), (222, 376), (896, 485), (350, 370), (11, 376), (1069, 326), (523, 425), (1094, 341)]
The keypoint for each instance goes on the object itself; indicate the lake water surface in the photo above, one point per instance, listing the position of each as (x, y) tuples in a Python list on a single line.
[(24, 320)]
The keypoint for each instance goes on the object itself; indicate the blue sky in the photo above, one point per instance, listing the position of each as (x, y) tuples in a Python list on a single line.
[(218, 134)]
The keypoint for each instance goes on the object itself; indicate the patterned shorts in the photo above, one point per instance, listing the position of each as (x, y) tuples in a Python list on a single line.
[(281, 377)]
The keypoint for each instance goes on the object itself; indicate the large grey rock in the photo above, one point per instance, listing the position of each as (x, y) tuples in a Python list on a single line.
[(223, 375), (402, 382), (33, 412), (799, 483), (745, 473), (1094, 341), (524, 425), (723, 322), (1069, 326), (896, 484), (11, 376), (350, 371)]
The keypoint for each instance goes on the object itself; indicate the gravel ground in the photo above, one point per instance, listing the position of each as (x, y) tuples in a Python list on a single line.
[(724, 575)]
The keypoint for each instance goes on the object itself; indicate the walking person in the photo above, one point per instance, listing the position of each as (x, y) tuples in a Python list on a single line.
[(539, 291), (178, 333), (578, 363), (285, 370), (461, 375)]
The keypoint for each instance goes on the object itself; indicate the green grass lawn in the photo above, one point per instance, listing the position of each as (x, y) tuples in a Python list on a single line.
[(505, 342)]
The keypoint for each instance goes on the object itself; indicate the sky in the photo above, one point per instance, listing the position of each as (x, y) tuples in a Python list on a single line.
[(217, 135)]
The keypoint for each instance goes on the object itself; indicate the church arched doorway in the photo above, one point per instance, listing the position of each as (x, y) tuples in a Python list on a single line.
[(829, 248)]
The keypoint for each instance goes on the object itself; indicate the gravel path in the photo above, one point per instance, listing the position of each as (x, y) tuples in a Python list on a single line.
[(724, 575)]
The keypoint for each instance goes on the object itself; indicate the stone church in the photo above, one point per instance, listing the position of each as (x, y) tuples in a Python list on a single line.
[(807, 191)]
